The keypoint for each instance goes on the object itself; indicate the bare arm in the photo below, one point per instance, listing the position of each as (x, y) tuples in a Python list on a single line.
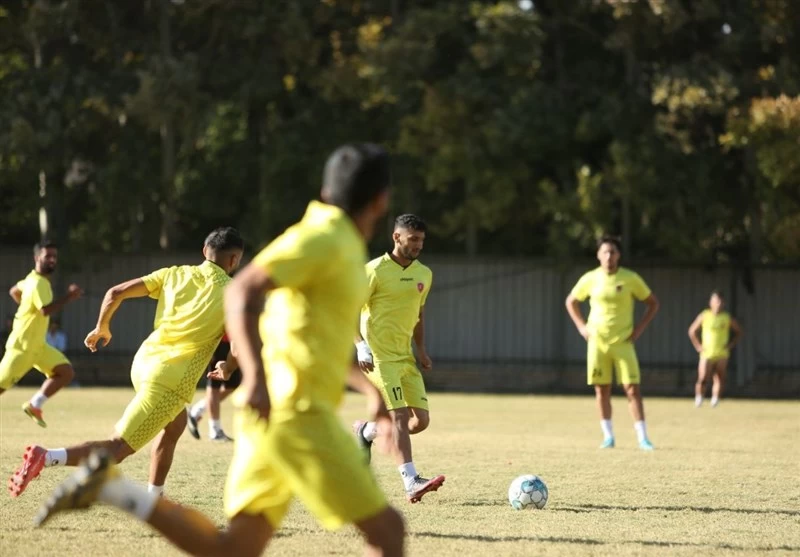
[(574, 309), (134, 288), (244, 302), (693, 328), (419, 341), (223, 370), (737, 333), (652, 308), (16, 294)]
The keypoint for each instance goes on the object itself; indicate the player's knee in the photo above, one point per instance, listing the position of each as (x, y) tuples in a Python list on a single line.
[(419, 423), (65, 373), (175, 428), (120, 450)]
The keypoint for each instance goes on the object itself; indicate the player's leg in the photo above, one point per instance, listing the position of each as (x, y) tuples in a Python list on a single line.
[(14, 365), (58, 370), (703, 368), (628, 373), (719, 375), (599, 375), (98, 480), (386, 378), (215, 431), (384, 533), (163, 451)]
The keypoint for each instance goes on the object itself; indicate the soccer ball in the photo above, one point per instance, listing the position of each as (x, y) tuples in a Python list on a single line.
[(527, 492)]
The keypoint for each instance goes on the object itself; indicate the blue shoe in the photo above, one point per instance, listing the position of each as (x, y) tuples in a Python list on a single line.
[(646, 445), (608, 443)]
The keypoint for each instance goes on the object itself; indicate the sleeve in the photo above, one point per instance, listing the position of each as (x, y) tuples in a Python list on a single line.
[(295, 258), (582, 288), (42, 294), (155, 281), (639, 288), (426, 290), (372, 278)]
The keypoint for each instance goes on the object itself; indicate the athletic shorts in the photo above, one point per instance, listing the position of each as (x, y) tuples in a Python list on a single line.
[(400, 383), (305, 454), (220, 354), (17, 363), (602, 359)]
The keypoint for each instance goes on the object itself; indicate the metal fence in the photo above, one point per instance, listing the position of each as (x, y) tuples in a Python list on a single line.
[(484, 316)]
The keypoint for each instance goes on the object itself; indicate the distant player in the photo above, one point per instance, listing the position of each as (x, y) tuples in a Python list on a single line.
[(289, 440), (610, 333), (27, 346), (394, 315), (216, 391), (714, 346), (188, 325)]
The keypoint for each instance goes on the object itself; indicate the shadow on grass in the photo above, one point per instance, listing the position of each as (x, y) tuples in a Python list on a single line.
[(707, 510)]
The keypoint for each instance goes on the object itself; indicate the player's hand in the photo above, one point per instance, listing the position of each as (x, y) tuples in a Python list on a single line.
[(98, 336), (425, 361), (220, 372), (584, 331), (699, 349), (255, 395), (364, 355), (635, 335), (74, 291)]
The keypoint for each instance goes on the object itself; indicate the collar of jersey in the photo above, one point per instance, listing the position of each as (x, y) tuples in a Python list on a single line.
[(388, 257), (212, 267)]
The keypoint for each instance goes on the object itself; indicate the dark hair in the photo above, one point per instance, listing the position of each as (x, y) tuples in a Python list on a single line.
[(44, 244), (412, 222), (224, 238), (609, 239), (718, 294), (354, 175)]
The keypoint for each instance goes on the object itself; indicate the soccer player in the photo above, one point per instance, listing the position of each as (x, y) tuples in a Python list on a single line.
[(610, 333), (394, 315), (289, 440), (714, 346), (26, 346), (216, 391), (188, 325)]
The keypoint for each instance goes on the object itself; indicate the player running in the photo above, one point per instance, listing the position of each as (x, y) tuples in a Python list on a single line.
[(26, 346), (216, 391), (714, 346), (289, 440), (394, 315), (610, 333), (188, 324)]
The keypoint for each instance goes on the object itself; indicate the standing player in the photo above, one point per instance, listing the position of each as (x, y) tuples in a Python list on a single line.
[(714, 346), (216, 391), (26, 346), (289, 440), (610, 333), (188, 325), (393, 315)]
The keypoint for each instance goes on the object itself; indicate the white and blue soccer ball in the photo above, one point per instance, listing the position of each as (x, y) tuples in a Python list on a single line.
[(527, 492)]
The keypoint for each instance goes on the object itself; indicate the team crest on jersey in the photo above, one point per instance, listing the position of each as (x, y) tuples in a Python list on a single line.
[(420, 286), (619, 288)]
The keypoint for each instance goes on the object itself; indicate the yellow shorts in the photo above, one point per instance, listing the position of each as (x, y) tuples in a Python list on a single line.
[(151, 410), (714, 356), (601, 358), (307, 454), (401, 384), (16, 363)]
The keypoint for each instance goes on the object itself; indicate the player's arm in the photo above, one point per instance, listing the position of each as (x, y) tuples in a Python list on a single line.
[(16, 294), (73, 293), (573, 305), (224, 369), (650, 312), (693, 328), (737, 334), (115, 295), (244, 302), (419, 341)]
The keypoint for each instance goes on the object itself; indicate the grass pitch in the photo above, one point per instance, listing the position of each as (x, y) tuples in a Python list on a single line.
[(723, 481)]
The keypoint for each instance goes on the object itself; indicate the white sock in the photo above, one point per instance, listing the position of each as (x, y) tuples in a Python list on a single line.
[(197, 409), (608, 430), (214, 426), (55, 457), (714, 401), (130, 497), (698, 400), (370, 431), (38, 400), (641, 430), (408, 472), (157, 489)]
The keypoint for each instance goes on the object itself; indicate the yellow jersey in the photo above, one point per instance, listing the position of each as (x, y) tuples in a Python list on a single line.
[(715, 334), (189, 321), (611, 301), (30, 324), (310, 318), (396, 297)]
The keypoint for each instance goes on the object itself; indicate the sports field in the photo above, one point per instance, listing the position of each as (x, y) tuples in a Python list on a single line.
[(722, 481)]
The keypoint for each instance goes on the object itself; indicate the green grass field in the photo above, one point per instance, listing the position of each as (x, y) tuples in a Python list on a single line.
[(722, 481)]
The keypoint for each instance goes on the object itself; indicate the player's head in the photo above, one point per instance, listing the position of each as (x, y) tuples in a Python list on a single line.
[(609, 250), (716, 301), (45, 257), (224, 246), (409, 236), (357, 179)]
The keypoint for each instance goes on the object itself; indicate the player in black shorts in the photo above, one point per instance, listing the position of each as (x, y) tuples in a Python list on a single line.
[(216, 392)]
